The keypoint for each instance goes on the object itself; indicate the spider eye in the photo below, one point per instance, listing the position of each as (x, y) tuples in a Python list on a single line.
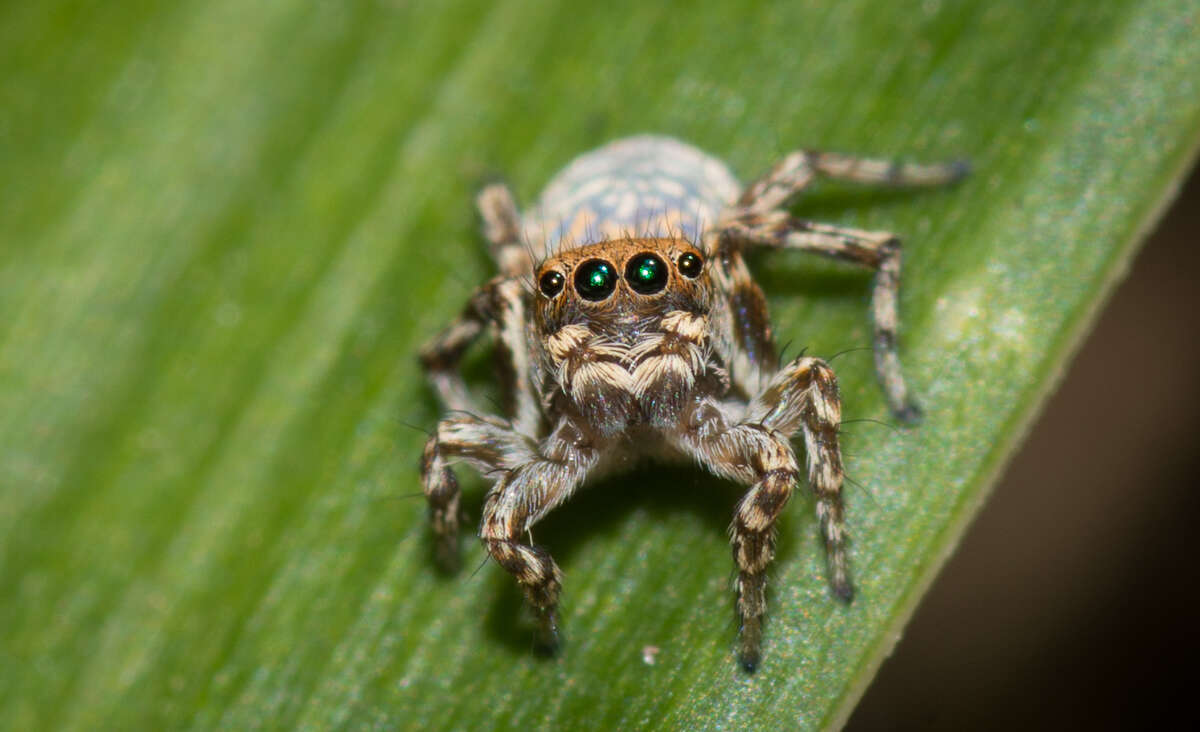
[(595, 280), (646, 274), (551, 283), (690, 265)]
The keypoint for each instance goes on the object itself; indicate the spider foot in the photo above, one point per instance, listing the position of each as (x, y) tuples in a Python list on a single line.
[(910, 414), (447, 554), (750, 644), (546, 641)]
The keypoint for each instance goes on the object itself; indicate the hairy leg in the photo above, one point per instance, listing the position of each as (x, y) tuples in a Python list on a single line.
[(502, 227), (486, 443), (440, 357), (798, 169), (762, 458), (803, 397), (741, 311), (525, 494), (878, 250), (500, 306)]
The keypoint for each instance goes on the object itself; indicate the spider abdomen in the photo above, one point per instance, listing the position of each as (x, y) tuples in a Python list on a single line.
[(643, 186)]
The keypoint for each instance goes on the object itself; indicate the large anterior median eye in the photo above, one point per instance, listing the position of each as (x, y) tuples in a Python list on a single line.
[(646, 274), (595, 279)]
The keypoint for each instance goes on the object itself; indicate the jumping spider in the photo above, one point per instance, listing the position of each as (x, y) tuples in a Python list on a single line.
[(629, 325)]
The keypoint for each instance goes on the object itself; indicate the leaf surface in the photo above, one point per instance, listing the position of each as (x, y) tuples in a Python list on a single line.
[(229, 225)]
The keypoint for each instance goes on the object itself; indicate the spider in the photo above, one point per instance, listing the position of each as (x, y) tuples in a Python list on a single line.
[(628, 325)]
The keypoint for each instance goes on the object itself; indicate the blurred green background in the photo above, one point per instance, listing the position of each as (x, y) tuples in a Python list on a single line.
[(227, 226)]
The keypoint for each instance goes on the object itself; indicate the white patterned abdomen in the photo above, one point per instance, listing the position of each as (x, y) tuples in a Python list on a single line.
[(644, 186)]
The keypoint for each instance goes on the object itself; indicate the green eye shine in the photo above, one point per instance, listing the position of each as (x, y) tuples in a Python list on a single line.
[(595, 280), (646, 274)]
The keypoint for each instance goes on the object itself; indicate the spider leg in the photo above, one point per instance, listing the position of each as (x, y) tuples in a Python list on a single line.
[(500, 305), (878, 250), (755, 451), (440, 357), (740, 313), (502, 227), (487, 444), (798, 169), (526, 493), (514, 361), (762, 458), (803, 397)]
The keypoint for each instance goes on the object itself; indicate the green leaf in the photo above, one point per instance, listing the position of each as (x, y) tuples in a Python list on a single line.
[(228, 226)]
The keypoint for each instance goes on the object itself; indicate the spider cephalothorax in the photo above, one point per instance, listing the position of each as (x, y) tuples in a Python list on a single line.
[(629, 325), (623, 332)]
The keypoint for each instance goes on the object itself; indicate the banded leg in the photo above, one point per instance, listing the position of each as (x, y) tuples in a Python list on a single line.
[(756, 452), (752, 355), (502, 227), (440, 357), (762, 458), (798, 169), (497, 304), (878, 250), (758, 456), (523, 496), (803, 397), (487, 444)]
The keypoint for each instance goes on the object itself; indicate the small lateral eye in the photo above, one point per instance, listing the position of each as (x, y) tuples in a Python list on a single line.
[(595, 280), (690, 265), (646, 274), (551, 283)]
